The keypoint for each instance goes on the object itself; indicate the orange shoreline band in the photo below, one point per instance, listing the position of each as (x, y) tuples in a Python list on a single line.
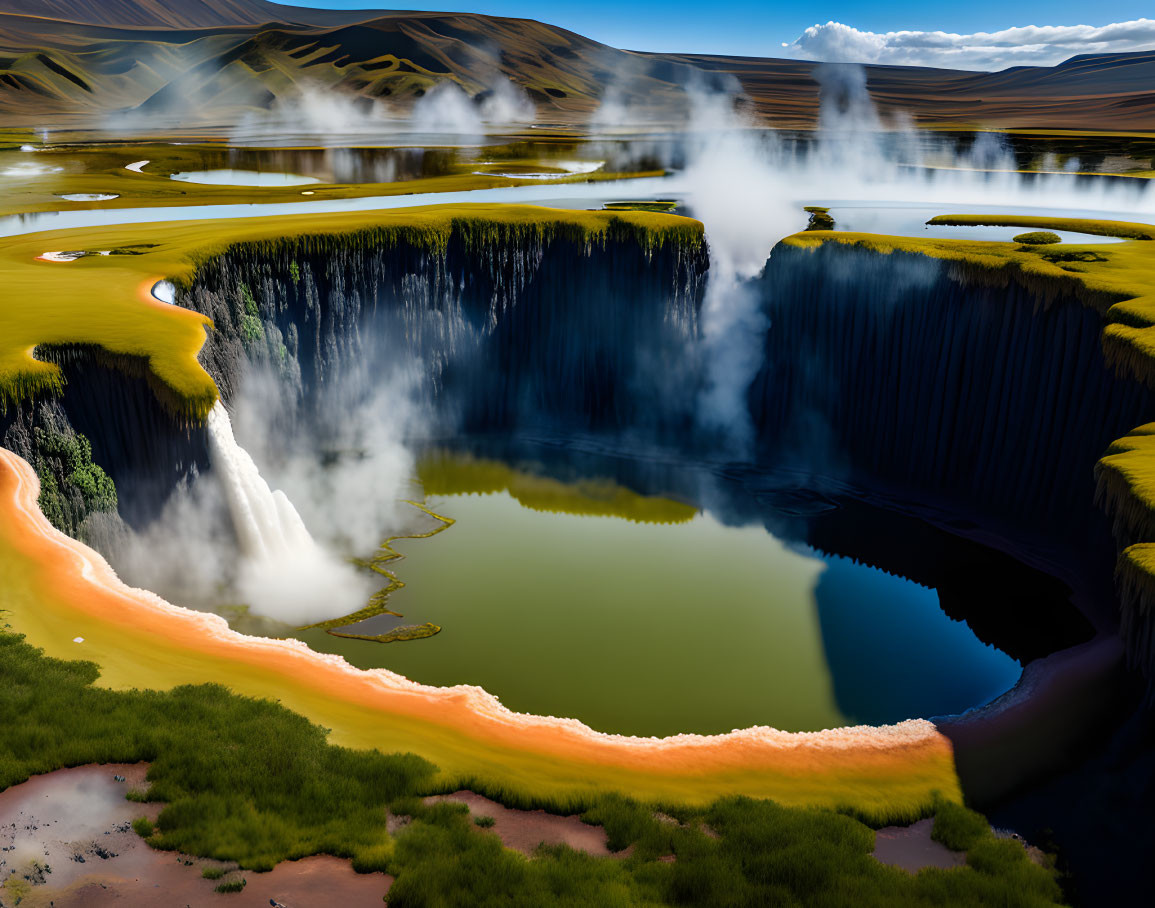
[(913, 755)]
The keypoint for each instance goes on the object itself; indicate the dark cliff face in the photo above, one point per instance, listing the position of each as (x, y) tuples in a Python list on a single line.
[(977, 394), (108, 425), (527, 331), (881, 371)]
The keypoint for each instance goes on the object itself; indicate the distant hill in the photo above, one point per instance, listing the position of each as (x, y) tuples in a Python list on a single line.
[(146, 13), (66, 62), (180, 13)]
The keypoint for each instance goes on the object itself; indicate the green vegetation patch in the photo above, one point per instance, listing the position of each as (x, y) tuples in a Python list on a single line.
[(652, 205), (958, 828), (397, 635), (243, 780), (71, 485), (447, 473), (250, 782), (1038, 238)]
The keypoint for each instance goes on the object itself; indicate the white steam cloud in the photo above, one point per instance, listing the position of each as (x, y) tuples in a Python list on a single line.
[(1029, 45), (334, 118), (271, 525), (734, 191), (282, 572)]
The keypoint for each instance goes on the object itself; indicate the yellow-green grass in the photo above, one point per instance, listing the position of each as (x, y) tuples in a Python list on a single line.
[(1126, 484), (1122, 229), (103, 300)]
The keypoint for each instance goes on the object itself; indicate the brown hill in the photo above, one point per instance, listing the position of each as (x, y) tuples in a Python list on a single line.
[(1092, 91), (212, 60), (180, 13)]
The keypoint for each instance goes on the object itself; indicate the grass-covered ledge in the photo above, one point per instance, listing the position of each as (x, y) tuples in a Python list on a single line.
[(105, 301)]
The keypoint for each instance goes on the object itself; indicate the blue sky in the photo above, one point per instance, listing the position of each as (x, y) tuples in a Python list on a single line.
[(759, 28)]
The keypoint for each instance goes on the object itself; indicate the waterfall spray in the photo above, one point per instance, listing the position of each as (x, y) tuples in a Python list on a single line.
[(284, 574), (266, 523)]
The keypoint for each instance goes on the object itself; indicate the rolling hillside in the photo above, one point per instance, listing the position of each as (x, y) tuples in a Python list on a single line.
[(78, 62), (180, 13)]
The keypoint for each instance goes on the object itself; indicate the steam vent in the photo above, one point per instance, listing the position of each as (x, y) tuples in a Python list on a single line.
[(447, 460)]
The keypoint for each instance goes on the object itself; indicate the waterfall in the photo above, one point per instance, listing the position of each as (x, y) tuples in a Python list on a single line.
[(266, 523), (284, 574)]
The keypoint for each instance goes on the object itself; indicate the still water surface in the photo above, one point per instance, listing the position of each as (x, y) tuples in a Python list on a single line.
[(654, 629)]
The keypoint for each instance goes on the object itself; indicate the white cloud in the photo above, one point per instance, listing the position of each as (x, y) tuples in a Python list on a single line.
[(1029, 45)]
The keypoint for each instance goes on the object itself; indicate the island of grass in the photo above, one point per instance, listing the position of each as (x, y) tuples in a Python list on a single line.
[(820, 218), (397, 635), (1037, 238), (651, 205)]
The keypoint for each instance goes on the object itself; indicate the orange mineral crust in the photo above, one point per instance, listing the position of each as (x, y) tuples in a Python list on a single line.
[(65, 598)]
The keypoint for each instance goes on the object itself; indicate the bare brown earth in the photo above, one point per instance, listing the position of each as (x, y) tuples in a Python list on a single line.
[(525, 830), (911, 848), (222, 58), (68, 842)]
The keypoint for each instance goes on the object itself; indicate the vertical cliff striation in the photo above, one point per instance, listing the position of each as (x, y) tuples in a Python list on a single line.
[(974, 391)]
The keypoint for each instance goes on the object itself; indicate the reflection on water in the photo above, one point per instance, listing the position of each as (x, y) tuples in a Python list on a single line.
[(893, 652), (242, 178), (659, 628)]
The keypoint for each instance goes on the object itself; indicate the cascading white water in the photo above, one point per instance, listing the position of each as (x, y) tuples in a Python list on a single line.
[(284, 573), (266, 523)]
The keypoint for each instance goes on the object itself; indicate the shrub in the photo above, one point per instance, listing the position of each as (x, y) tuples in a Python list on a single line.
[(484, 822), (144, 827), (1038, 238), (232, 886), (958, 828), (249, 301), (213, 873), (251, 329)]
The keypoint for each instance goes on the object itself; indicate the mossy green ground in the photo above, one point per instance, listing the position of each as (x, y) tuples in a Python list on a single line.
[(261, 785)]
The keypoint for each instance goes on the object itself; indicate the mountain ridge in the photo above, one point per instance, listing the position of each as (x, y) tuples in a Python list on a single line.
[(66, 71)]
